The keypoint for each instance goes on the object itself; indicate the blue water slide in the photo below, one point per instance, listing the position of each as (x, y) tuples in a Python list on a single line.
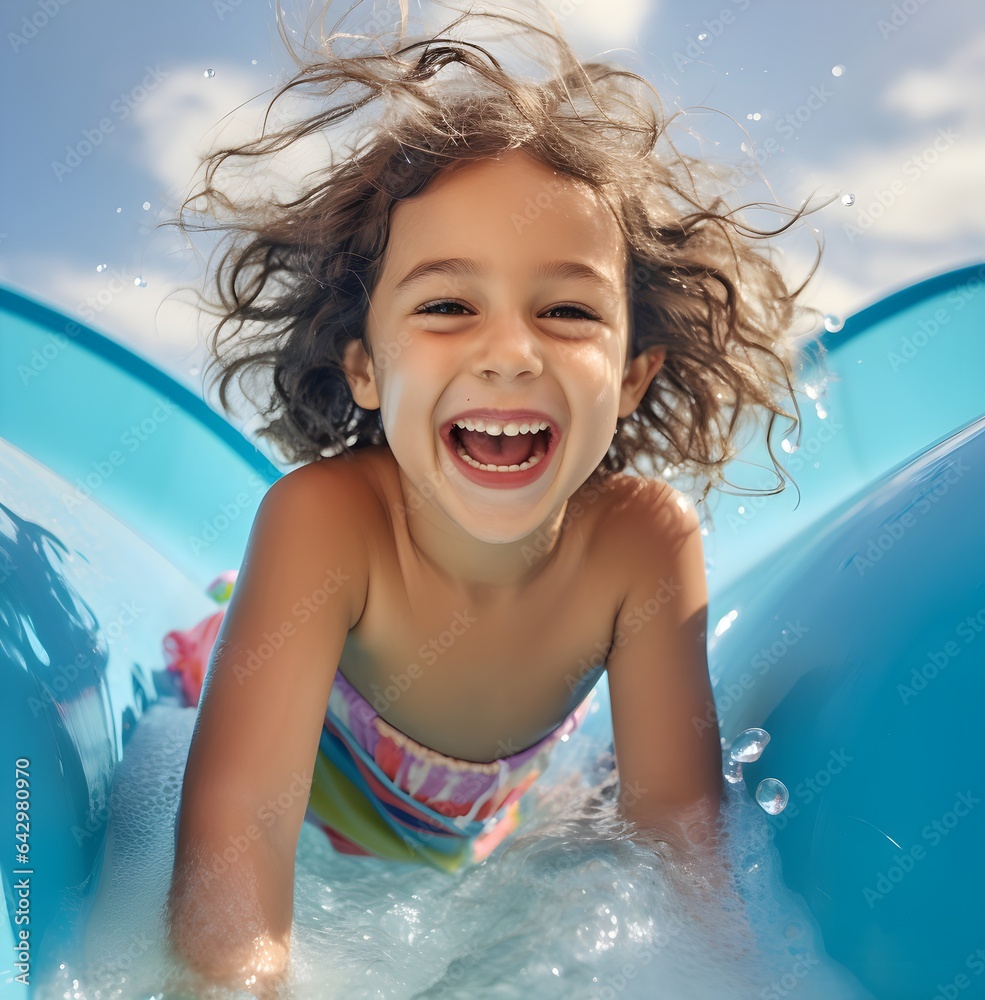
[(846, 624)]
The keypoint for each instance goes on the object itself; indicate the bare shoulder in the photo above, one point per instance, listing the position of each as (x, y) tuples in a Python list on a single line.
[(644, 516), (318, 519)]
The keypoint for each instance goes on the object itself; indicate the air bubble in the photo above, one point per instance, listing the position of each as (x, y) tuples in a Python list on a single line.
[(748, 745), (833, 323), (772, 795), (837, 70), (208, 74), (848, 199)]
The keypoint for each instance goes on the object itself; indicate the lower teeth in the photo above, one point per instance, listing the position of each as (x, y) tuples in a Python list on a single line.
[(497, 468)]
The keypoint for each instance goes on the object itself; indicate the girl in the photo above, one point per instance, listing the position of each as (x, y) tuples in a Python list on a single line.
[(499, 298)]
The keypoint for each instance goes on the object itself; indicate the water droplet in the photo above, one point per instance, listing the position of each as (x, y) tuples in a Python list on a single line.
[(788, 446), (253, 62), (821, 411), (119, 210), (837, 70), (208, 74), (772, 795), (101, 267), (848, 199), (702, 36), (732, 772), (748, 745), (146, 206), (140, 283), (832, 323), (194, 370)]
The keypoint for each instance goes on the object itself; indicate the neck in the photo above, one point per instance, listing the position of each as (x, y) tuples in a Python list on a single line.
[(482, 569)]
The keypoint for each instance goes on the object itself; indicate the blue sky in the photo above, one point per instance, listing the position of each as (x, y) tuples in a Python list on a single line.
[(107, 103)]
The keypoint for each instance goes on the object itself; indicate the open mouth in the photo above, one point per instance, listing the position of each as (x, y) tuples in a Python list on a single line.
[(497, 447)]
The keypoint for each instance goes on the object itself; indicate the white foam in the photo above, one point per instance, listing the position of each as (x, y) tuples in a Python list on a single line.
[(572, 907)]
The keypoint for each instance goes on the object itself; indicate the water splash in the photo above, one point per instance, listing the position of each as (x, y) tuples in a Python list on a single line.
[(748, 745), (772, 795), (833, 324)]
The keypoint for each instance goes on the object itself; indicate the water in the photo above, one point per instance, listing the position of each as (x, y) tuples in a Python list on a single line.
[(574, 907)]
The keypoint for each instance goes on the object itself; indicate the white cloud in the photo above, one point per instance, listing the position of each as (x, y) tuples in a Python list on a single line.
[(155, 321), (594, 25), (953, 89)]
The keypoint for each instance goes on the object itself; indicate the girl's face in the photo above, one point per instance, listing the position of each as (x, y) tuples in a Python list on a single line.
[(502, 299)]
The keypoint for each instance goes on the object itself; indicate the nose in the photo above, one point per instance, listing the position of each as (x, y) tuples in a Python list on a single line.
[(507, 349)]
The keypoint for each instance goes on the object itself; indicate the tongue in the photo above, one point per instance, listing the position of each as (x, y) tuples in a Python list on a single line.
[(497, 449)]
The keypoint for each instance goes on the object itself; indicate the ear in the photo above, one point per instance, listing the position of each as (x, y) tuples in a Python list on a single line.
[(638, 376), (361, 375)]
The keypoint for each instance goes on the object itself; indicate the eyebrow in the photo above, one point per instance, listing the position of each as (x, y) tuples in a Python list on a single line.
[(466, 265)]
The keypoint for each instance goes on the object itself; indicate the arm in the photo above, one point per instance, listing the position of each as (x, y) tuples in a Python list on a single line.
[(668, 756), (301, 588)]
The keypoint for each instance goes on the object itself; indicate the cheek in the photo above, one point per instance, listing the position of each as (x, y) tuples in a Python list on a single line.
[(402, 381)]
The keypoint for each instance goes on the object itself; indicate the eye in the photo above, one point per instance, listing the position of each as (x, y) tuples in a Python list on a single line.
[(446, 307), (579, 310), (439, 308)]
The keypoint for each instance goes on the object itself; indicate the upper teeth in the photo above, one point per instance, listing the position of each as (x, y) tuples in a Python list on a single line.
[(496, 427)]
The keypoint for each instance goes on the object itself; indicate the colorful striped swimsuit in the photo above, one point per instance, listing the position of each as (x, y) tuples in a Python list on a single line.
[(377, 792)]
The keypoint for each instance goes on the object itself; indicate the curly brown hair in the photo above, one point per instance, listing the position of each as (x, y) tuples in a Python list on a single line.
[(295, 277)]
